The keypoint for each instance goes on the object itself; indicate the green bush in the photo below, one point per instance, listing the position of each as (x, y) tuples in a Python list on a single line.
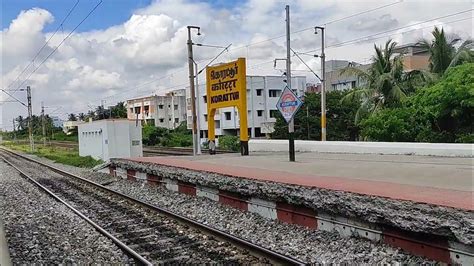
[(61, 136), (177, 140), (179, 137), (231, 143), (151, 135), (396, 124), (443, 112)]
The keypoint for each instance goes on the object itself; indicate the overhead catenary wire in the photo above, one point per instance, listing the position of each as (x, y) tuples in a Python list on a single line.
[(244, 46), (62, 41), (343, 43), (44, 45)]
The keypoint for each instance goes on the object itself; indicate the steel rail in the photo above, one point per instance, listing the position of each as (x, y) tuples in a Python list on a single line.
[(132, 253), (271, 255)]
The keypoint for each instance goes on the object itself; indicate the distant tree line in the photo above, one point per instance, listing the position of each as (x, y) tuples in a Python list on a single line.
[(117, 111)]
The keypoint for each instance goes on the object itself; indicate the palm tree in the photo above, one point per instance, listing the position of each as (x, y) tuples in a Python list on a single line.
[(72, 117), (384, 82), (443, 53), (81, 116)]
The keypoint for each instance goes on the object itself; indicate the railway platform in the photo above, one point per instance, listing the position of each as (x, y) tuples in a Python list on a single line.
[(443, 181)]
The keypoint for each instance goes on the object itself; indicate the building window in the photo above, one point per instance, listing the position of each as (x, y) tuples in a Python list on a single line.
[(169, 119), (228, 115), (146, 109), (176, 120), (259, 112), (274, 93), (273, 113), (160, 106), (353, 84), (176, 107), (205, 117), (131, 110), (259, 92), (204, 98), (162, 120), (169, 105), (137, 110)]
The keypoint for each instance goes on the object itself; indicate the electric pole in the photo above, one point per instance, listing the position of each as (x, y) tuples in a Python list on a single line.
[(14, 130), (323, 87), (30, 119), (291, 125), (43, 124), (191, 87)]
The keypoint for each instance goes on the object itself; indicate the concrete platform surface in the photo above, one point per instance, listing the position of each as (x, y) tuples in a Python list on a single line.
[(445, 181)]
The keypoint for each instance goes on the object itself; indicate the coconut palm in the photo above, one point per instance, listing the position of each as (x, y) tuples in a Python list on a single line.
[(81, 117), (384, 81), (443, 53)]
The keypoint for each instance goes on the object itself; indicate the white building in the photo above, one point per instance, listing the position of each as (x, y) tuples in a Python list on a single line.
[(167, 111), (69, 127), (263, 93), (57, 122), (110, 138)]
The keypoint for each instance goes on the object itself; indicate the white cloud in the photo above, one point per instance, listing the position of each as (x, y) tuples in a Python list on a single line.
[(109, 63)]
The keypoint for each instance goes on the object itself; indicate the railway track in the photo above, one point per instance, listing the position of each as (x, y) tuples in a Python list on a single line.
[(146, 233), (148, 151)]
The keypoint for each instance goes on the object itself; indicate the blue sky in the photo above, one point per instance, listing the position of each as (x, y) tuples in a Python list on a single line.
[(113, 12)]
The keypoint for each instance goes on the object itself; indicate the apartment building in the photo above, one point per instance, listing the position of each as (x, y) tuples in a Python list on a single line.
[(337, 79), (263, 93), (414, 57), (167, 111)]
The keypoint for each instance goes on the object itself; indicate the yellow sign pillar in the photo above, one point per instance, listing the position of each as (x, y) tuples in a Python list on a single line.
[(226, 87)]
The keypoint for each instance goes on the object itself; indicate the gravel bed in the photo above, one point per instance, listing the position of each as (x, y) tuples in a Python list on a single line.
[(456, 224), (293, 240), (325, 247), (39, 230)]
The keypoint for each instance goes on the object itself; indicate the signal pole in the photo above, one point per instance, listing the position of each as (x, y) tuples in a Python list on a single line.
[(30, 119), (43, 125), (291, 125)]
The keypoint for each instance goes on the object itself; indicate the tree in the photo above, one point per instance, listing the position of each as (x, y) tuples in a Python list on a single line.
[(101, 112), (119, 110), (384, 82), (443, 112), (72, 117), (90, 115), (81, 116), (443, 53), (340, 119)]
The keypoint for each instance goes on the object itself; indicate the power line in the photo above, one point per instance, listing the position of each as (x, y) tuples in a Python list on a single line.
[(326, 23), (44, 45), (343, 43), (250, 44), (59, 45)]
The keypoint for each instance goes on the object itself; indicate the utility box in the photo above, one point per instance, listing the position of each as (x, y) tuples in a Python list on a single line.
[(110, 138)]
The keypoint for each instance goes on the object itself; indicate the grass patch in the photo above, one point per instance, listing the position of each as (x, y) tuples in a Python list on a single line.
[(57, 154)]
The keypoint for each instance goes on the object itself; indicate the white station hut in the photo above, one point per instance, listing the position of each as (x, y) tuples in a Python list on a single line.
[(110, 138)]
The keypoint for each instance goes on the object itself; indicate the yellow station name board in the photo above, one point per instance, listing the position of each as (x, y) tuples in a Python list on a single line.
[(226, 86)]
